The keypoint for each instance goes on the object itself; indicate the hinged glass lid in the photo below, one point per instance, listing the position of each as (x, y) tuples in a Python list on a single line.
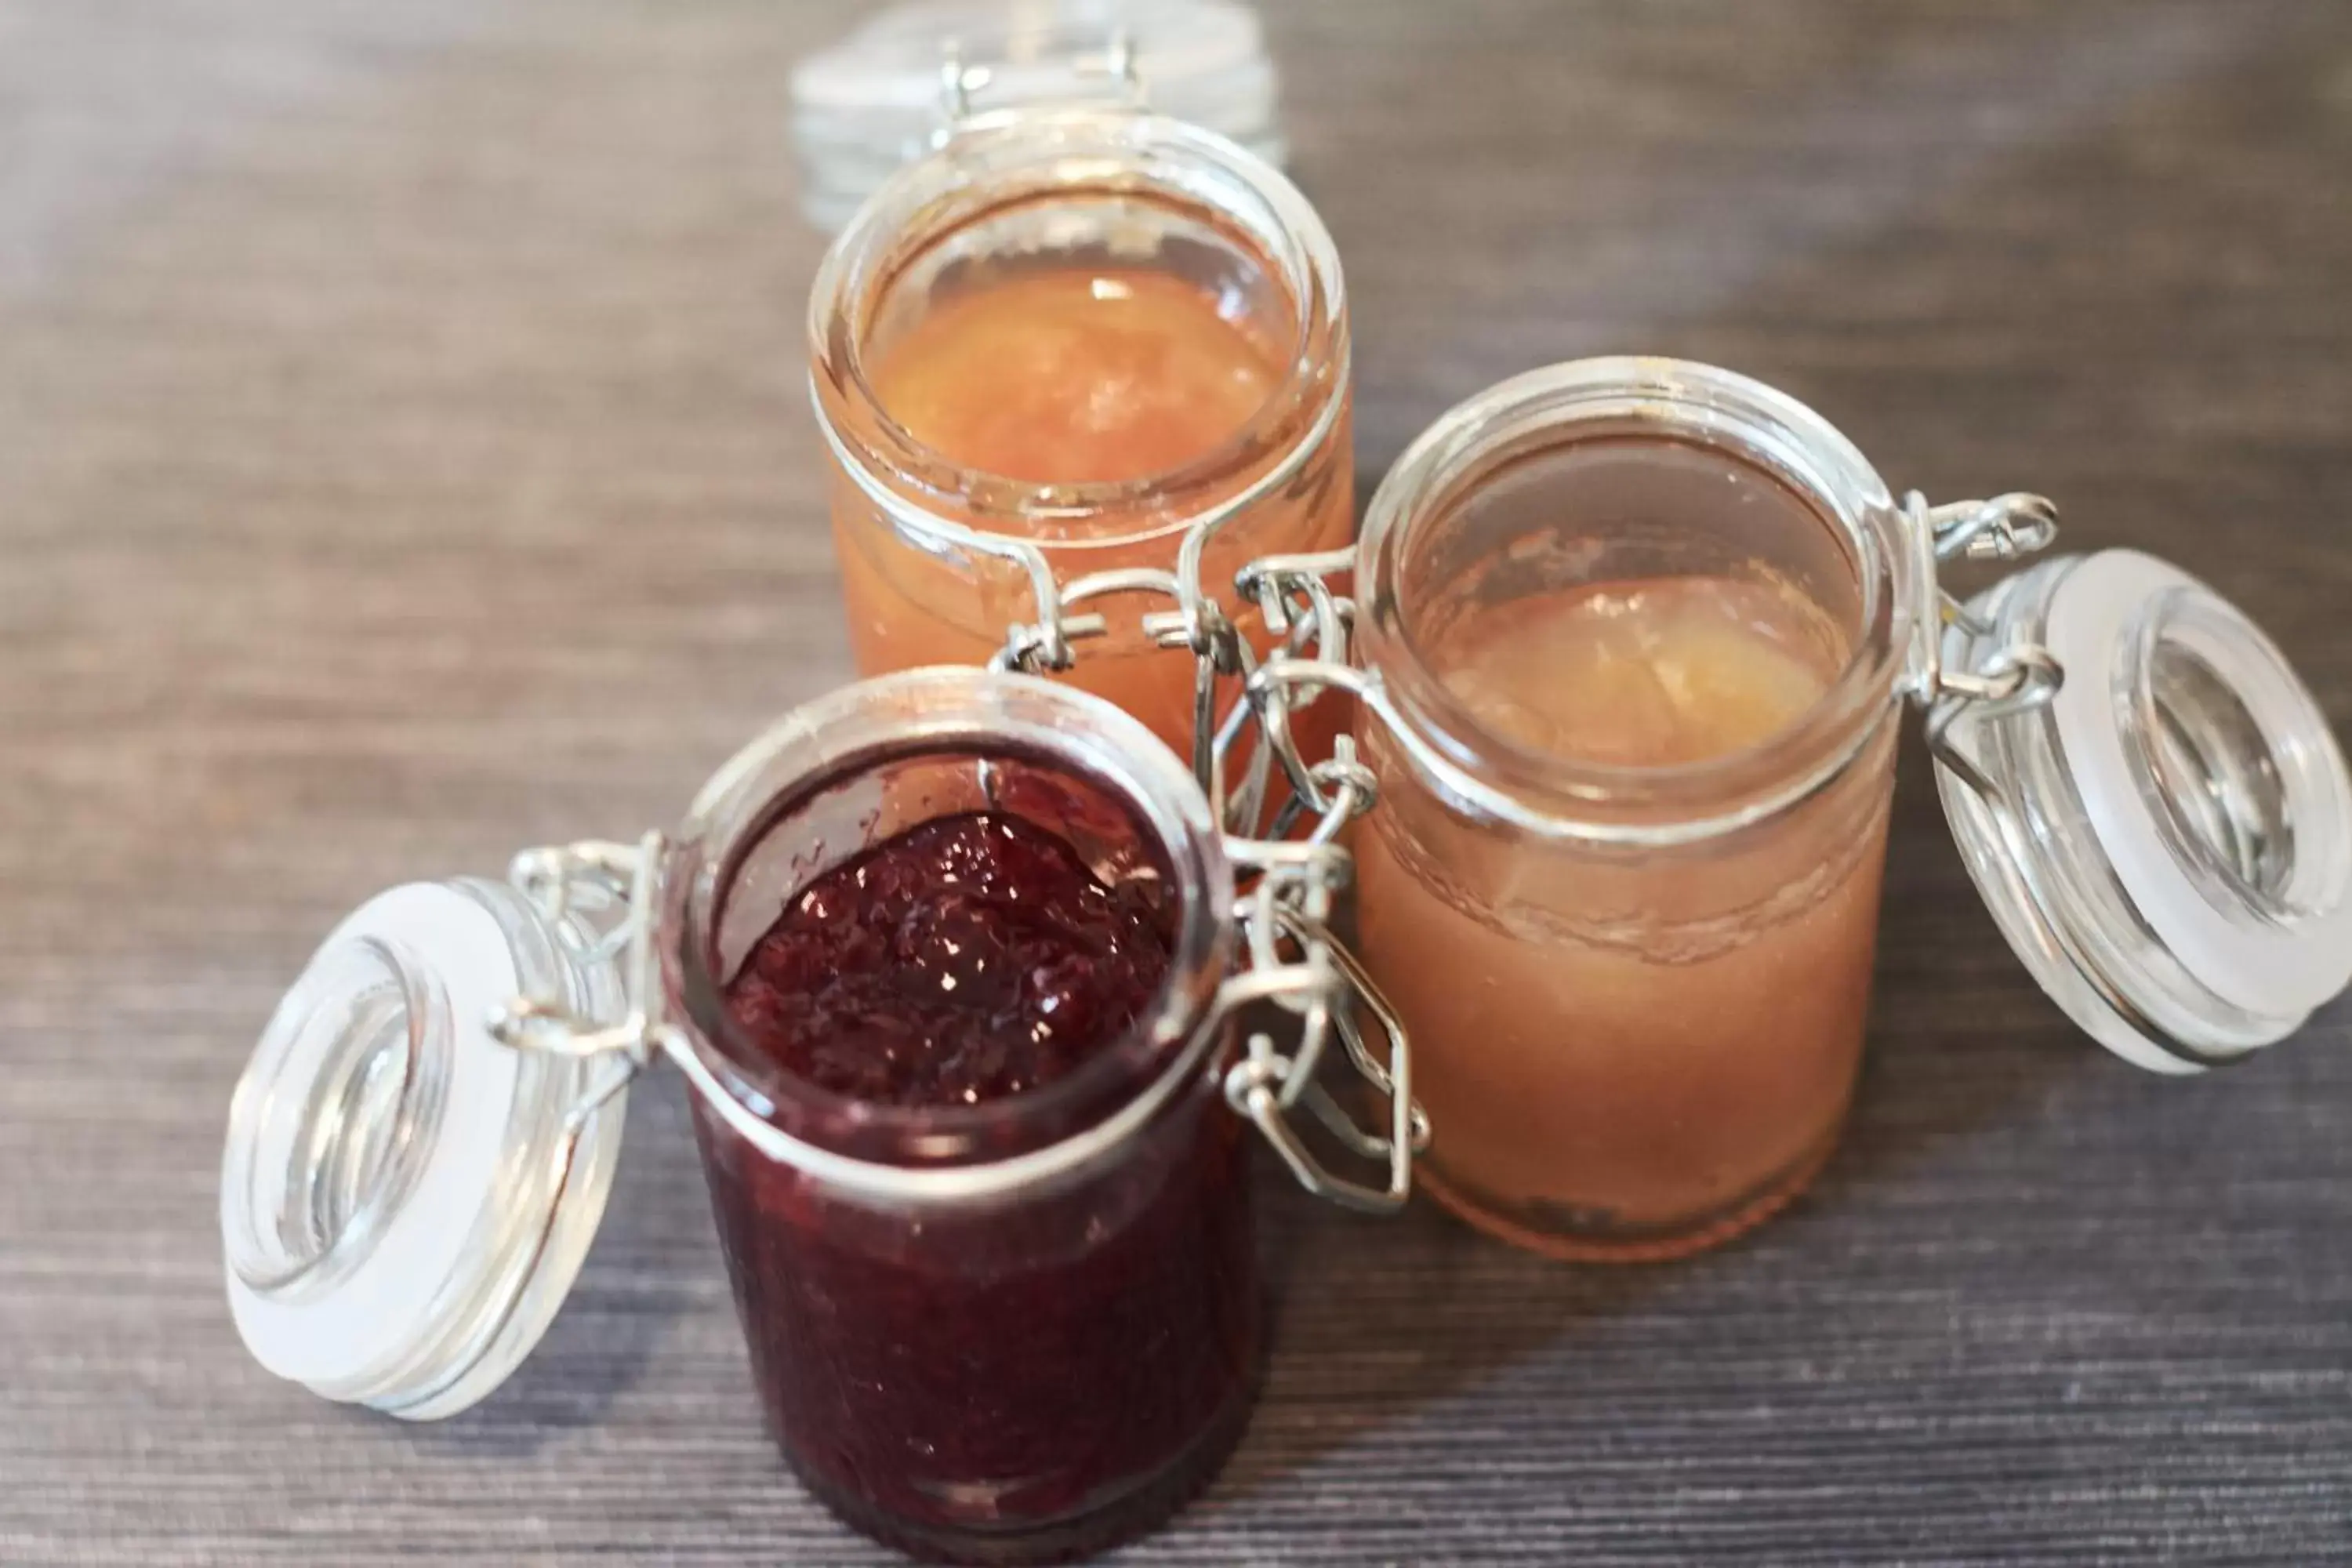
[(405, 1200), (2150, 803), (889, 92)]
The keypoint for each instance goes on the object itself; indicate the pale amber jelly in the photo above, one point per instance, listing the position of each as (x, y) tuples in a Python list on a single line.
[(1089, 371), (1631, 1047), (1078, 375)]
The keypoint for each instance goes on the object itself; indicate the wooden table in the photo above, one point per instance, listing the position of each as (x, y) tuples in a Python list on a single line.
[(404, 456)]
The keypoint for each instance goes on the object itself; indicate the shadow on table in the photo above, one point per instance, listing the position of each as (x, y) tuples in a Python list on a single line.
[(1379, 1320), (628, 1293)]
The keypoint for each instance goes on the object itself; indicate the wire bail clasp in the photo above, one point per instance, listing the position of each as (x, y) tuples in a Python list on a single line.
[(2016, 676), (599, 899), (1291, 958)]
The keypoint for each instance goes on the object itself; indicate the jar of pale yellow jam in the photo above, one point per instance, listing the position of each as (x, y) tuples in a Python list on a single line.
[(1634, 639), (1047, 355)]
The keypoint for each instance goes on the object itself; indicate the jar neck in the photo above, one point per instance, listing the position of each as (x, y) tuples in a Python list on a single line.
[(1103, 184), (878, 758), (1508, 430)]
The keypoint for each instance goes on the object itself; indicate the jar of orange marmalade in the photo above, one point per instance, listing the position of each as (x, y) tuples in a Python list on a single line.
[(1079, 354), (1634, 639)]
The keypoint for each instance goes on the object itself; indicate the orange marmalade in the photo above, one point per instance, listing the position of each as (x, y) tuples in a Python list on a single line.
[(1129, 388), (1076, 375)]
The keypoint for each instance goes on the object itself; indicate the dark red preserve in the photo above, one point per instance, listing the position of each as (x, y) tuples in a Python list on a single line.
[(1036, 1375), (973, 957)]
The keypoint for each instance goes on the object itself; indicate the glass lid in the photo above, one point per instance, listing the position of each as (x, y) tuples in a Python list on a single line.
[(2152, 805), (405, 1200), (888, 93)]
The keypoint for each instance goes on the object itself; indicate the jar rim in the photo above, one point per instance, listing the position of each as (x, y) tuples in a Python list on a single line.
[(1544, 795), (951, 712), (1036, 154)]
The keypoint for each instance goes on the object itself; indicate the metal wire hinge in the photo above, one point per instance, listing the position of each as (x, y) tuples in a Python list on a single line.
[(598, 897), (1292, 961), (2014, 677)]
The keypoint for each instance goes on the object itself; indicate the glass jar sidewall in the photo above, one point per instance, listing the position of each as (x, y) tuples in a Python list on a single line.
[(922, 588), (1638, 997), (1628, 1051), (1842, 810), (1094, 1336), (1198, 1078)]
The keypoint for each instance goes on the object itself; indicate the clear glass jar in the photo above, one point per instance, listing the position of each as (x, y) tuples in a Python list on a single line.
[(1637, 993), (1637, 984), (938, 560), (1012, 1330)]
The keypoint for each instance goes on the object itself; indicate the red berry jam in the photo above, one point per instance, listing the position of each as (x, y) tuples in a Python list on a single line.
[(972, 958), (1030, 1376)]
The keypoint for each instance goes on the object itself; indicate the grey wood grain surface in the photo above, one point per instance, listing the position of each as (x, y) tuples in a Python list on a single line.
[(403, 457)]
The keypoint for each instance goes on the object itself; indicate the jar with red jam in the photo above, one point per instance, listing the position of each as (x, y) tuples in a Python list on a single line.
[(1075, 368), (952, 962)]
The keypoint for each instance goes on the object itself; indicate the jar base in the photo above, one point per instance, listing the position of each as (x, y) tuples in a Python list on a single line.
[(1070, 1539), (1515, 1225)]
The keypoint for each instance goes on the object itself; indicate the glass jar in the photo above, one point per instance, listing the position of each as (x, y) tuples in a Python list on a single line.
[(1011, 1330), (1008, 1332), (939, 558), (871, 102), (1637, 987)]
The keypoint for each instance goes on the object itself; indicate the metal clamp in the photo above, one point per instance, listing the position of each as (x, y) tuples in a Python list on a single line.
[(1331, 987), (1196, 625), (2014, 679), (2005, 528), (574, 886), (1292, 960)]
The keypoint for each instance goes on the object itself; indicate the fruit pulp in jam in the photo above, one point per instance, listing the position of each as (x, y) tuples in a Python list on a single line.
[(973, 957), (1021, 1378)]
